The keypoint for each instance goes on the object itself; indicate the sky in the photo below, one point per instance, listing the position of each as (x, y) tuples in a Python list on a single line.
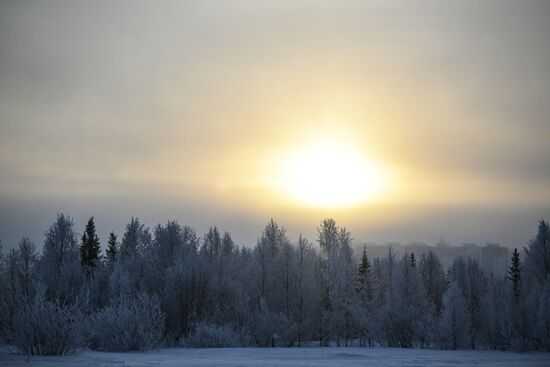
[(403, 121)]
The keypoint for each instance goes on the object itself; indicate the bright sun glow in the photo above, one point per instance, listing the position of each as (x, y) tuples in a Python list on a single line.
[(329, 174)]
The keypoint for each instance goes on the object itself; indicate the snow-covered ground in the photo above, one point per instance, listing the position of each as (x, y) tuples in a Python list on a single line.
[(242, 357)]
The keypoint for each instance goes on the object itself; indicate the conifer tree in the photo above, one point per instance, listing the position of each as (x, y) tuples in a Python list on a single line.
[(537, 261), (365, 294), (112, 249), (90, 247), (413, 260), (364, 275), (514, 273)]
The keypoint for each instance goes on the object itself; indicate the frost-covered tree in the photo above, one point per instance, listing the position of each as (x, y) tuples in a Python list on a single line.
[(227, 260), (211, 251), (212, 246), (454, 328), (43, 327), (60, 245), (533, 311), (136, 239), (338, 278), (168, 243), (268, 328), (476, 288), (499, 325), (228, 246), (119, 281), (27, 266), (207, 335), (176, 287), (218, 254), (328, 243), (60, 265), (406, 315), (11, 292), (307, 297), (21, 270), (433, 280), (184, 294), (537, 262), (17, 282), (128, 324), (542, 326), (389, 299), (472, 282), (267, 250)]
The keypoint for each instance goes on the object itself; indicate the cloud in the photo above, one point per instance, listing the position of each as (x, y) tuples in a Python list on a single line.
[(188, 100)]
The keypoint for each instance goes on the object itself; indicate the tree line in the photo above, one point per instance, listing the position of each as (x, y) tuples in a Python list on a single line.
[(169, 287)]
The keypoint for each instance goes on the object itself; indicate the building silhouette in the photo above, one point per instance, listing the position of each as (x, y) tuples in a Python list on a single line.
[(492, 257)]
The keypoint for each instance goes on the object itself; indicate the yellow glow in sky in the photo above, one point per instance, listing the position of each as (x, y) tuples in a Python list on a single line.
[(371, 112), (331, 174)]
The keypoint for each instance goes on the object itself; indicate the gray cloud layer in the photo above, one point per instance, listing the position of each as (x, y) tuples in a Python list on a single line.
[(129, 108)]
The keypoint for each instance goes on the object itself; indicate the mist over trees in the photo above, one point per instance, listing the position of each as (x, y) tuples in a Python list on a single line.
[(170, 286)]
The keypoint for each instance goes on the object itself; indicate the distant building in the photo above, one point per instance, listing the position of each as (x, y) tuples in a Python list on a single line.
[(492, 257), (442, 244)]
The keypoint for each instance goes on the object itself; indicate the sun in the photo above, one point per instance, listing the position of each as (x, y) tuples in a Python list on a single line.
[(331, 174)]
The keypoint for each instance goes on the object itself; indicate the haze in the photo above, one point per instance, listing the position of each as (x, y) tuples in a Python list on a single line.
[(194, 111)]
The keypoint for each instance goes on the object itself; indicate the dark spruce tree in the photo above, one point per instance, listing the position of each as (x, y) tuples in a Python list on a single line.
[(514, 274), (537, 261), (364, 278), (413, 260), (365, 293), (112, 248), (89, 247), (364, 266)]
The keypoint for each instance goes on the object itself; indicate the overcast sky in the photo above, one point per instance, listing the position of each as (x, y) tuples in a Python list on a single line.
[(179, 109)]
